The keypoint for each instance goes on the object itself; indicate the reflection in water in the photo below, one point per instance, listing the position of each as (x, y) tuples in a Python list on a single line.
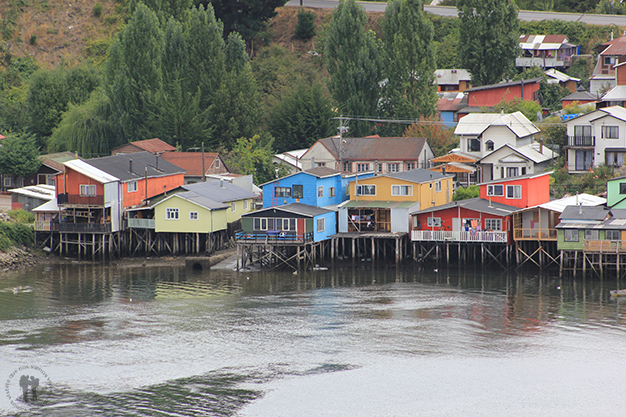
[(159, 339)]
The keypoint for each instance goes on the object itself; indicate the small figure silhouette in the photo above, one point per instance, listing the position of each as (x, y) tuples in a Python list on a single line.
[(34, 384), (24, 385)]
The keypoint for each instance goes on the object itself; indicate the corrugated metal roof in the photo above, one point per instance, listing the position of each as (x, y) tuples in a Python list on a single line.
[(617, 93), (299, 209), (477, 123), (196, 198), (537, 174), (191, 161), (419, 175), (90, 171), (559, 205), (118, 166), (560, 76), (42, 191), (378, 204), (221, 191), (452, 76), (382, 149), (476, 204), (585, 213), (154, 145), (505, 84), (542, 42)]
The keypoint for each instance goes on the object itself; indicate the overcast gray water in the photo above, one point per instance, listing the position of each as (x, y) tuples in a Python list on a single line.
[(160, 341)]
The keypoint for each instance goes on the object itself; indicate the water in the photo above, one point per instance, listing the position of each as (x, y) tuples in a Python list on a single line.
[(160, 341)]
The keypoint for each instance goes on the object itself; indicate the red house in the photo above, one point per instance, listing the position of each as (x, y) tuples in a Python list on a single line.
[(490, 95), (92, 195), (485, 219)]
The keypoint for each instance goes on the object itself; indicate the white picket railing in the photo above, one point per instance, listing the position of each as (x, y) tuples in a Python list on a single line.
[(449, 236)]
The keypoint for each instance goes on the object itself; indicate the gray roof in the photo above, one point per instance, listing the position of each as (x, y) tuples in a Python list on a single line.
[(580, 95), (584, 213), (220, 191), (201, 200), (296, 208), (419, 175), (618, 213), (120, 166), (476, 204), (374, 148)]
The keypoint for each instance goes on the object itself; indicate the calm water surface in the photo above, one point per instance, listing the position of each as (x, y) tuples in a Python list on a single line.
[(160, 341)]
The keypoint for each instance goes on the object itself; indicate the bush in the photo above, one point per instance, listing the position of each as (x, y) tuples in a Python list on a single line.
[(33, 39), (463, 193), (305, 29), (15, 234), (97, 9), (22, 216)]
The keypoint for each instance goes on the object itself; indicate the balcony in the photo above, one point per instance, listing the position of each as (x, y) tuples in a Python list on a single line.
[(604, 246), (274, 237), (80, 200), (449, 236), (46, 226), (589, 141), (534, 234), (84, 227), (140, 223)]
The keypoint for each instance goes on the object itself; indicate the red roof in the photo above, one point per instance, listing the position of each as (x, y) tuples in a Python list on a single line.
[(614, 47), (546, 39), (447, 104), (154, 145), (191, 161)]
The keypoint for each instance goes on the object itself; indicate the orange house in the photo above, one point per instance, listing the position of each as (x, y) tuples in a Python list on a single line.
[(523, 192), (95, 193)]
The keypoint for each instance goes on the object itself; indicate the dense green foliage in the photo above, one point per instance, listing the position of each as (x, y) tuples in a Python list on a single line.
[(19, 155), (15, 234), (463, 193), (488, 42), (305, 28)]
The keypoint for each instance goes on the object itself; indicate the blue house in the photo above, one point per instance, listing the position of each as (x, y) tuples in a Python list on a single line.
[(288, 224), (320, 187)]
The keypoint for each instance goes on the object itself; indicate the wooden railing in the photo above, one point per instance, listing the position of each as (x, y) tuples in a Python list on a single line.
[(534, 234), (449, 236), (614, 246), (46, 226), (81, 200), (274, 237), (140, 223), (85, 227)]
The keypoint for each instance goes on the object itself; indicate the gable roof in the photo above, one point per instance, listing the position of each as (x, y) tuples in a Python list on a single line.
[(542, 42), (452, 76), (295, 208), (560, 204), (143, 163), (580, 96), (318, 172), (616, 111), (84, 168), (197, 199), (531, 152), (191, 161), (617, 93), (615, 47), (559, 76), (477, 123), (220, 191), (150, 145), (56, 160), (476, 204), (374, 148)]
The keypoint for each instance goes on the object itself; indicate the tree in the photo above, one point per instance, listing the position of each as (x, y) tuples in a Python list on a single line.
[(246, 17), (46, 100), (302, 118), (134, 77), (164, 9), (527, 107), (411, 91), (19, 155), (252, 156), (305, 29), (355, 65), (488, 38), (440, 138)]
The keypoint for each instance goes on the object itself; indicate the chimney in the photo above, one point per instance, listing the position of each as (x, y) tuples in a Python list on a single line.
[(522, 89), (157, 161), (541, 145), (443, 169), (130, 166), (222, 182), (580, 208)]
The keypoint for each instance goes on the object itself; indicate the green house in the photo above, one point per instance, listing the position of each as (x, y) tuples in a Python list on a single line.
[(189, 212), (616, 193)]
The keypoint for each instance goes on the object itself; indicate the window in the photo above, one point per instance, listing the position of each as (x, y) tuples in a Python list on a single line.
[(193, 215), (8, 181), (591, 235), (366, 190), (217, 162), (298, 191), (245, 204), (320, 225), (132, 186), (611, 235), (584, 160), (260, 223), (171, 214), (495, 190), (233, 207), (489, 145), (473, 145), (87, 190), (511, 172), (410, 166), (493, 224), (401, 190), (282, 192), (347, 167), (378, 168), (514, 191), (622, 188), (607, 60), (286, 224), (582, 132), (362, 167), (320, 164), (393, 167), (332, 192), (610, 132), (434, 222), (438, 187), (570, 235), (320, 192)]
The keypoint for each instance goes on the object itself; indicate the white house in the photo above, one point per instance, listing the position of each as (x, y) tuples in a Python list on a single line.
[(596, 138), (508, 162)]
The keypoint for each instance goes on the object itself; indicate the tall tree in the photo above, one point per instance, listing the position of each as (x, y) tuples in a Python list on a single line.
[(19, 155), (354, 62), (410, 60), (164, 9), (134, 76), (488, 38), (246, 17)]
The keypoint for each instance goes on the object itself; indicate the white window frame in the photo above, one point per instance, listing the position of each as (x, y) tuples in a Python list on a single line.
[(320, 224), (260, 223), (88, 190), (491, 190), (493, 224), (410, 166), (245, 204), (320, 192), (233, 207), (434, 222), (515, 191), (193, 215), (610, 132), (363, 167), (393, 167), (369, 188), (402, 190), (172, 213), (132, 187), (8, 181), (282, 192), (438, 187)]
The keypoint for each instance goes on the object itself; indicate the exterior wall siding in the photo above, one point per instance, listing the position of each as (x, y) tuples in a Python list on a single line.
[(208, 220)]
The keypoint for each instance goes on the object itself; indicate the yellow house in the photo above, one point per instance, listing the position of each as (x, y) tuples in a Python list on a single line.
[(382, 202), (188, 212)]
